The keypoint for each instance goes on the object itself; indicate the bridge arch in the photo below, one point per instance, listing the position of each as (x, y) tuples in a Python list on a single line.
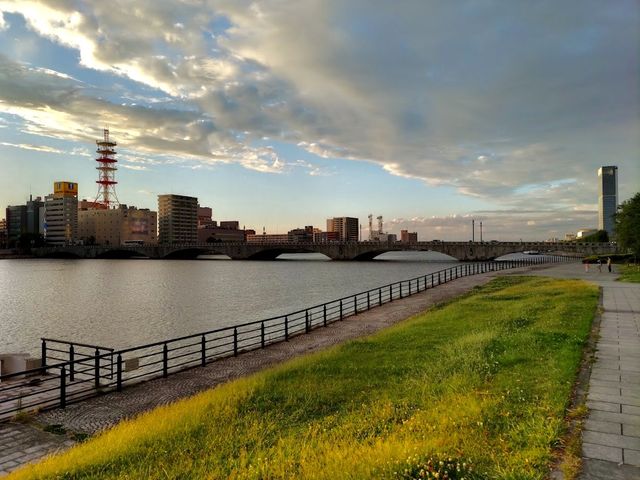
[(191, 253), (62, 255), (273, 253), (121, 253)]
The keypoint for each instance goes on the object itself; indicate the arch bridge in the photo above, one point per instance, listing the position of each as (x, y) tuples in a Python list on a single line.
[(463, 251)]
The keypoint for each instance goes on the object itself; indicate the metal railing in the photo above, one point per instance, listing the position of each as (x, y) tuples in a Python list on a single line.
[(84, 370)]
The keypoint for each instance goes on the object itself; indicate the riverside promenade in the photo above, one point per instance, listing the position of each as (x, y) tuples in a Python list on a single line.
[(23, 443), (611, 436)]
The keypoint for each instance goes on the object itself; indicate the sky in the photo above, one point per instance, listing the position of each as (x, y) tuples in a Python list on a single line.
[(282, 114)]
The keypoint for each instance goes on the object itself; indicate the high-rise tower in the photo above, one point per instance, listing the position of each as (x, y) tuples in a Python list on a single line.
[(608, 199), (106, 171)]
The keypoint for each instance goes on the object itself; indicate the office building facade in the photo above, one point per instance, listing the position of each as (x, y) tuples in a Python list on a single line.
[(177, 219), (117, 226), (61, 214), (347, 228), (608, 198)]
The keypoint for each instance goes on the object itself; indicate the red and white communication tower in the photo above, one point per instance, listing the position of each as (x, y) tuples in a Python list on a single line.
[(106, 172)]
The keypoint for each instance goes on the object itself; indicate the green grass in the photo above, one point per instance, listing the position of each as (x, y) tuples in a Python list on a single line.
[(486, 378), (630, 273)]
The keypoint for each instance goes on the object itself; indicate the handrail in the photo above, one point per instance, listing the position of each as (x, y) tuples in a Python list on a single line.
[(66, 342)]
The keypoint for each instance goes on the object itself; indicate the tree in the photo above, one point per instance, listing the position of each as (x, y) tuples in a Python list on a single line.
[(599, 236), (628, 225)]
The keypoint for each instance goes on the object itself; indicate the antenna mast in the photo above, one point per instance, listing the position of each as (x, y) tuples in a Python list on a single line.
[(106, 171)]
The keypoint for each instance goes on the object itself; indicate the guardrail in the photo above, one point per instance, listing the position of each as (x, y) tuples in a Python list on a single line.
[(87, 370)]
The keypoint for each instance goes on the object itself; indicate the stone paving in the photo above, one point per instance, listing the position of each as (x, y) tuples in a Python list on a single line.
[(21, 444), (611, 436)]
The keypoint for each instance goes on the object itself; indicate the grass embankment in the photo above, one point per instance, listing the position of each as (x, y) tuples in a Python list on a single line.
[(630, 273), (486, 378)]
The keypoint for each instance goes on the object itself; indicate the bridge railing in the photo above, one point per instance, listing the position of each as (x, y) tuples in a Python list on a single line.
[(79, 370)]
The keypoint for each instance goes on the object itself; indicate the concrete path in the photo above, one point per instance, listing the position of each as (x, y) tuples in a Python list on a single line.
[(611, 437)]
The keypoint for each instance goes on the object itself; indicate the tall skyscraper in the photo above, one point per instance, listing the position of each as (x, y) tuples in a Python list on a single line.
[(347, 228), (608, 199), (177, 219)]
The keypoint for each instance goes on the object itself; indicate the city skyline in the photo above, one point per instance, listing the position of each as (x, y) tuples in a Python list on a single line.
[(286, 115)]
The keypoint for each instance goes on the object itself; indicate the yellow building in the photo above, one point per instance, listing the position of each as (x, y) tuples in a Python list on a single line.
[(117, 226), (65, 189)]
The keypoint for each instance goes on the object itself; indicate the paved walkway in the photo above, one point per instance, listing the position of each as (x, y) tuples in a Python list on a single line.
[(611, 437)]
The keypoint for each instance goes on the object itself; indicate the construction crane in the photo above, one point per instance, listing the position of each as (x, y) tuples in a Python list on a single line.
[(380, 224), (370, 227)]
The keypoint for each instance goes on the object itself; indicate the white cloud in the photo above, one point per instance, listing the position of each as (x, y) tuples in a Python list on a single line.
[(36, 148), (522, 98)]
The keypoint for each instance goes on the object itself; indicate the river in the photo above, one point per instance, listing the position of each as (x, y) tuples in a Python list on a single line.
[(122, 303)]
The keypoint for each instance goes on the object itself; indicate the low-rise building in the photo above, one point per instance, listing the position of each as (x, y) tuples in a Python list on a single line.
[(301, 235), (268, 238), (117, 226), (325, 237), (585, 232), (3, 233), (214, 233), (408, 237)]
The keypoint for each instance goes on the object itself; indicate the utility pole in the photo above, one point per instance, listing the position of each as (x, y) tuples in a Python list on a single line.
[(480, 231), (473, 230)]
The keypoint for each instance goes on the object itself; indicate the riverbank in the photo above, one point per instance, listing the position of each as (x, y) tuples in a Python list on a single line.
[(22, 443), (496, 366)]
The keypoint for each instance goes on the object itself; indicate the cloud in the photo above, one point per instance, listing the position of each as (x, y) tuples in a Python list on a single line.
[(36, 148), (501, 100), (503, 225)]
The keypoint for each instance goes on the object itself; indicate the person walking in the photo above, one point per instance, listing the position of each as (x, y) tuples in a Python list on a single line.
[(609, 264), (599, 266), (586, 266)]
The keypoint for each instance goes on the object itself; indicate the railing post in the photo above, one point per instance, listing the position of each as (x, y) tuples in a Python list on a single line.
[(340, 309), (379, 297), (165, 360), (439, 282), (71, 360), (63, 387), (235, 341), (400, 289), (307, 327), (286, 328), (324, 314), (203, 350), (43, 352), (119, 373), (368, 301), (261, 334), (391, 293), (96, 368), (355, 304)]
